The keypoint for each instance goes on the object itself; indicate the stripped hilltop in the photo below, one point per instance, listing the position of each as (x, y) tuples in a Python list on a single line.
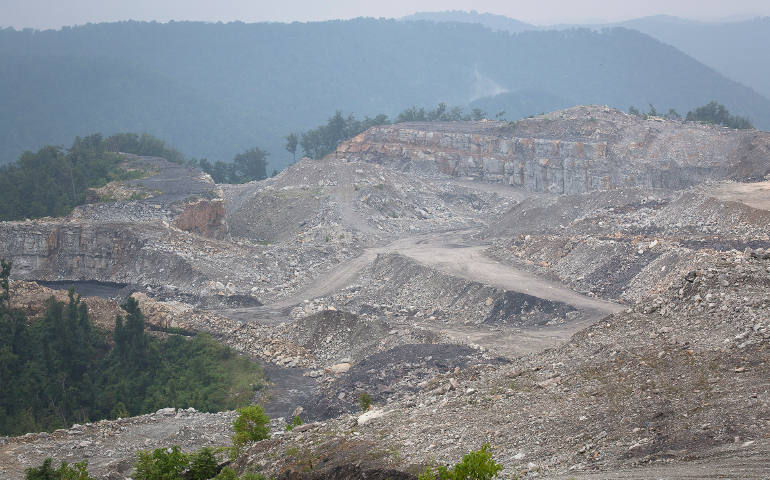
[(586, 291), (578, 150)]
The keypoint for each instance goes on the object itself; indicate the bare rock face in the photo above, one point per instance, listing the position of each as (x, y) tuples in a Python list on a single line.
[(578, 150), (204, 217), (108, 252)]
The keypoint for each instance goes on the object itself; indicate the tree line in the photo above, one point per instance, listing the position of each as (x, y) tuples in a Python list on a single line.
[(60, 369), (246, 167), (54, 180), (713, 113), (324, 139)]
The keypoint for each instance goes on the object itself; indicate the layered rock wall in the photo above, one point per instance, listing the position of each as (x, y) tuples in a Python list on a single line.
[(108, 252), (574, 151)]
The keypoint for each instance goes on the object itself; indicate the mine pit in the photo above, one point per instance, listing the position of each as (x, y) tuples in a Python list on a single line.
[(551, 291)]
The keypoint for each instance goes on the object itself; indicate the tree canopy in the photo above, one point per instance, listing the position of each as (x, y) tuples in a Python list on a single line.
[(717, 114), (52, 181), (245, 167), (60, 369), (324, 139)]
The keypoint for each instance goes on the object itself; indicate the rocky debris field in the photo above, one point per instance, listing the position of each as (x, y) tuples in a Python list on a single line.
[(111, 446), (359, 197), (398, 287), (400, 373), (162, 194), (640, 388), (625, 244), (620, 333), (242, 244)]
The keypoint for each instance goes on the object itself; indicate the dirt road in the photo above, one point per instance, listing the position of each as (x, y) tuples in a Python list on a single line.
[(452, 253)]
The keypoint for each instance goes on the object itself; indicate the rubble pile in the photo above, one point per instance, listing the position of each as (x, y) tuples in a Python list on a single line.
[(400, 288), (111, 446), (631, 246), (641, 388)]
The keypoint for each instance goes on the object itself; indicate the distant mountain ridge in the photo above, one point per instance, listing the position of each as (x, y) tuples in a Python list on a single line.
[(489, 20), (214, 90), (736, 49)]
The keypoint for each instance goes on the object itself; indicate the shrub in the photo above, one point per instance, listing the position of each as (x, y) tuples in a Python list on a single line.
[(76, 471), (252, 476), (365, 401), (718, 114), (161, 464), (477, 465), (250, 426), (227, 473), (203, 465), (295, 422)]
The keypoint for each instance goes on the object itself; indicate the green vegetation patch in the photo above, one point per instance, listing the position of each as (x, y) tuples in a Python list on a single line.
[(324, 139), (477, 465), (53, 181), (61, 370)]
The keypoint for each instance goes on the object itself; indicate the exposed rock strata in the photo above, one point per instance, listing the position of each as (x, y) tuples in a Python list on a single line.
[(577, 150)]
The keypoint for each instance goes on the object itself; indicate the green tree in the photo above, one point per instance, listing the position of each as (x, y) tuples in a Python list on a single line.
[(251, 425), (144, 144), (245, 167), (161, 464), (203, 465), (717, 114), (249, 165), (291, 145), (412, 114), (59, 369), (477, 465), (442, 113), (52, 181), (228, 473), (323, 140), (5, 290), (77, 471)]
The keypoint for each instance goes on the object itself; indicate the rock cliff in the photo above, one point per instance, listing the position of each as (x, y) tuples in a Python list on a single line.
[(578, 150)]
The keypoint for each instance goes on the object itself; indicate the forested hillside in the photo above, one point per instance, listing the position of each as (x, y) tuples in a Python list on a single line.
[(60, 369), (733, 48), (52, 181), (489, 20), (214, 90), (737, 49)]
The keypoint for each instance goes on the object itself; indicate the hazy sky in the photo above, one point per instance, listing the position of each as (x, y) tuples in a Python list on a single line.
[(55, 13)]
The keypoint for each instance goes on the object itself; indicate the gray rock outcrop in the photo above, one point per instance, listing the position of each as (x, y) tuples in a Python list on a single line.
[(578, 150)]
